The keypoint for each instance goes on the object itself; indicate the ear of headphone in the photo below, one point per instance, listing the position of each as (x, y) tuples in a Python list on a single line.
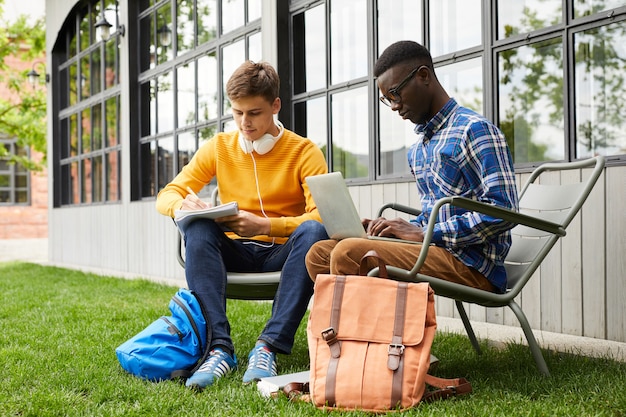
[(262, 145)]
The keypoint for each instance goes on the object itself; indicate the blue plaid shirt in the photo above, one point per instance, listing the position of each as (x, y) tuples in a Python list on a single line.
[(460, 153)]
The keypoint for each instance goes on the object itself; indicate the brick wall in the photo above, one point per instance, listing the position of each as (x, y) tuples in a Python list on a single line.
[(26, 221)]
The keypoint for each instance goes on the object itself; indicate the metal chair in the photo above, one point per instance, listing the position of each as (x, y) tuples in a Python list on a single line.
[(241, 285), (545, 212)]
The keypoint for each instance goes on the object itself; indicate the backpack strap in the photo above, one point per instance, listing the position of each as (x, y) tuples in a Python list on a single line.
[(184, 374), (395, 357), (447, 388)]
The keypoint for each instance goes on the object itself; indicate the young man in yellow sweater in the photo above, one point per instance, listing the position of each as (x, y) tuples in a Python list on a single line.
[(262, 167)]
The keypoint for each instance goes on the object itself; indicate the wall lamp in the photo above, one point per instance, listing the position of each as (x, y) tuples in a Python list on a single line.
[(103, 29), (165, 35), (33, 75)]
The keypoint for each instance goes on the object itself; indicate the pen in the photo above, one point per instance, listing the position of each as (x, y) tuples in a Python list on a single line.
[(191, 192)]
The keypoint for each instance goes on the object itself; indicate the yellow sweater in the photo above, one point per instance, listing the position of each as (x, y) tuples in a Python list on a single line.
[(281, 172)]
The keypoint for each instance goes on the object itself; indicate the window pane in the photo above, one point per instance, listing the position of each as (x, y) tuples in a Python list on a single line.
[(310, 121), (310, 59), (147, 36), (395, 137), (21, 196), (165, 162), (95, 72), (164, 34), (348, 37), (255, 47), (207, 20), (234, 55), (531, 101), (113, 176), (86, 131), (206, 133), (350, 133), (111, 64), (21, 180), (185, 89), (254, 10), (165, 103), (74, 135), (75, 194), (98, 177), (589, 7), (391, 29), (148, 169), (207, 87), (96, 120), (600, 91), (86, 180), (449, 28), (73, 42), (85, 76), (112, 121), (74, 84), (464, 81), (85, 32), (186, 148), (184, 26), (148, 104), (522, 16), (232, 15)]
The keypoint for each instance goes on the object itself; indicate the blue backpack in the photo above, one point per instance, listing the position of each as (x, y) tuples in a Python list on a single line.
[(172, 346)]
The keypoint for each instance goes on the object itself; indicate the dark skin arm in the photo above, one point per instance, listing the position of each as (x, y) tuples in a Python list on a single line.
[(398, 228)]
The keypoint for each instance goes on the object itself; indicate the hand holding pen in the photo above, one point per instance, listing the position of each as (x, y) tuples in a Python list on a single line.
[(193, 202)]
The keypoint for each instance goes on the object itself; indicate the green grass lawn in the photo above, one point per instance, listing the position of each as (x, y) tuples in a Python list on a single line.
[(60, 328)]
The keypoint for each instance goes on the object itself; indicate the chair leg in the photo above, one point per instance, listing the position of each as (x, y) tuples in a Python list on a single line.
[(530, 337), (468, 327)]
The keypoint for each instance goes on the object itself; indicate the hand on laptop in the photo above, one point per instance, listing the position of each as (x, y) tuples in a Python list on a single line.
[(398, 228)]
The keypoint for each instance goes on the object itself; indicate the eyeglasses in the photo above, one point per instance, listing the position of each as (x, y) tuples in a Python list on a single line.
[(393, 95)]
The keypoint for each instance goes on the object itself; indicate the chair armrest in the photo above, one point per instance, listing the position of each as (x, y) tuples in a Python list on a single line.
[(399, 207), (179, 250), (484, 208), (508, 215)]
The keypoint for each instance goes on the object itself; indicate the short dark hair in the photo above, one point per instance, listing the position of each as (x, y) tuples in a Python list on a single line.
[(254, 79), (402, 51)]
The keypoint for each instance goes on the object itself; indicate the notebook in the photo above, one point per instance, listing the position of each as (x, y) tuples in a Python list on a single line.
[(337, 209)]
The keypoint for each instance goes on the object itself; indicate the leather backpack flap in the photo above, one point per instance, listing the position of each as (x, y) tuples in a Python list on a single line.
[(364, 374)]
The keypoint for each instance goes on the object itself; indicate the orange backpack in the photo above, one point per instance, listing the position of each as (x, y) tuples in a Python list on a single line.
[(369, 343)]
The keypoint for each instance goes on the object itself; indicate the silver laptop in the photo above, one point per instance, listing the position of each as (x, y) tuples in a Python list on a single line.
[(337, 208)]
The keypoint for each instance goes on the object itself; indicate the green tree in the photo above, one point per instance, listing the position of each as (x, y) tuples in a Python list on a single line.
[(23, 109)]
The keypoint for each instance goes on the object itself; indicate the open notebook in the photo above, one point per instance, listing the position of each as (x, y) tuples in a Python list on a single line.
[(337, 209)]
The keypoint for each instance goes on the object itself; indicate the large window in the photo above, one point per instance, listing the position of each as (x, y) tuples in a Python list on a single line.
[(332, 86), (14, 178), (550, 73), (87, 149), (187, 50)]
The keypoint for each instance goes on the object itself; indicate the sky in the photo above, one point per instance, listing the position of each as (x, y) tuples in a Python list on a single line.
[(14, 8)]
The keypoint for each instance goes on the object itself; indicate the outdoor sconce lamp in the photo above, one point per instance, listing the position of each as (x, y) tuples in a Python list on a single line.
[(103, 29), (165, 35), (33, 75)]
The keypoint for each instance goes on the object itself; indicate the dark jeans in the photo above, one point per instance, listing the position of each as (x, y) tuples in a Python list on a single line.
[(210, 253)]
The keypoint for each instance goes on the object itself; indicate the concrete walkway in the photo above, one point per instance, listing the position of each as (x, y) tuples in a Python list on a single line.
[(31, 250), (36, 250)]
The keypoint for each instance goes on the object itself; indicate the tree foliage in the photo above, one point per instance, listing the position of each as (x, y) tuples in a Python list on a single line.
[(23, 109)]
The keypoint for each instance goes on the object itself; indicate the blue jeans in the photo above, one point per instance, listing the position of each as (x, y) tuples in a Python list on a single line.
[(210, 253)]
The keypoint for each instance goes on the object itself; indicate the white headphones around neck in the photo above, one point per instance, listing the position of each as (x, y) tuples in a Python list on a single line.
[(262, 145)]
